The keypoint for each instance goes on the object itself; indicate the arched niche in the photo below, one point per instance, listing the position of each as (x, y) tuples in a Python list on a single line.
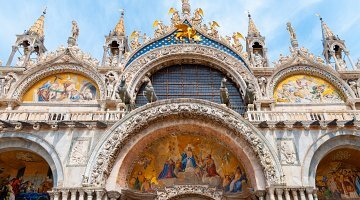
[(33, 144), (109, 154)]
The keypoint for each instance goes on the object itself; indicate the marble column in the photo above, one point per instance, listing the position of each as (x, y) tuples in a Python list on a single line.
[(287, 194), (81, 194), (260, 194), (56, 195), (64, 194), (99, 194), (89, 194), (302, 194), (294, 194), (73, 194), (279, 193), (315, 194), (13, 51), (104, 56), (272, 193), (309, 192)]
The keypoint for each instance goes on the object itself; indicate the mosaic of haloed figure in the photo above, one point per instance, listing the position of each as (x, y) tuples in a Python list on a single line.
[(306, 89), (64, 87), (338, 175), (187, 159), (24, 175)]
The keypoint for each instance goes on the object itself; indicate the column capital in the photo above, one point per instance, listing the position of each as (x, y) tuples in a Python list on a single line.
[(279, 191), (260, 193)]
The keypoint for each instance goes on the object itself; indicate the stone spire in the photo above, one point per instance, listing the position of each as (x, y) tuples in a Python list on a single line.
[(252, 30), (186, 9), (38, 26), (327, 33), (120, 28)]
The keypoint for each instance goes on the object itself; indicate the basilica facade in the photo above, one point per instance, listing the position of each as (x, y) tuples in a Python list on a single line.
[(185, 114)]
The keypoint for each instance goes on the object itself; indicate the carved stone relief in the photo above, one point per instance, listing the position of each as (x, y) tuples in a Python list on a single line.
[(287, 152), (79, 150)]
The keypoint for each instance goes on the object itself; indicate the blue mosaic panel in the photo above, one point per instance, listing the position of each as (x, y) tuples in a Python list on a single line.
[(171, 40), (191, 81)]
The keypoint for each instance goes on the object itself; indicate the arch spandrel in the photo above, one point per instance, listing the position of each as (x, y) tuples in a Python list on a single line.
[(120, 134)]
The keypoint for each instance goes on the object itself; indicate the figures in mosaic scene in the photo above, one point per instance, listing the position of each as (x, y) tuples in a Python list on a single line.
[(65, 87), (224, 93), (258, 59), (237, 44), (185, 159), (175, 19), (213, 29), (20, 188), (341, 62), (134, 37), (198, 17), (340, 183), (149, 91), (306, 89), (262, 84)]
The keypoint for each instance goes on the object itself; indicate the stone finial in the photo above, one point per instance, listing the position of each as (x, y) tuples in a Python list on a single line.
[(326, 32)]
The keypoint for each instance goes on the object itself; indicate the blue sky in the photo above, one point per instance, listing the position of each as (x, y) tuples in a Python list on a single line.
[(97, 17)]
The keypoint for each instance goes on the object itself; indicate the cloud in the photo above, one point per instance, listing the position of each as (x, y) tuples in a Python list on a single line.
[(97, 17)]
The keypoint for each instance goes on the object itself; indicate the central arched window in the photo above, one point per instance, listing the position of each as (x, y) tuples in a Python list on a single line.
[(191, 81)]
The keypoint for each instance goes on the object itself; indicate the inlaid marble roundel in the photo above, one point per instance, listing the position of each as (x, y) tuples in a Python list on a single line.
[(306, 89), (62, 87), (187, 159)]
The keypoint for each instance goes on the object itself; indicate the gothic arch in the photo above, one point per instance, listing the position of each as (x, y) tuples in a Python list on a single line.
[(323, 146), (156, 59), (19, 141), (29, 79), (328, 75), (102, 160)]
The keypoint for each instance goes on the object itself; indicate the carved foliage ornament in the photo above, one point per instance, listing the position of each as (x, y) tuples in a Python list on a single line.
[(178, 190), (136, 121)]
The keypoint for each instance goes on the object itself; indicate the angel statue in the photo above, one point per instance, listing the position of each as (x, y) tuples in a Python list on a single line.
[(237, 44), (134, 37), (160, 28), (213, 29), (75, 30), (198, 17), (175, 19)]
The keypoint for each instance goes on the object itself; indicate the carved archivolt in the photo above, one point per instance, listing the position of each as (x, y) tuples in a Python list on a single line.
[(179, 190), (154, 59), (131, 124)]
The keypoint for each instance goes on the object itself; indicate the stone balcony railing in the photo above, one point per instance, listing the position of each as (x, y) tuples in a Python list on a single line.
[(20, 118), (290, 119)]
